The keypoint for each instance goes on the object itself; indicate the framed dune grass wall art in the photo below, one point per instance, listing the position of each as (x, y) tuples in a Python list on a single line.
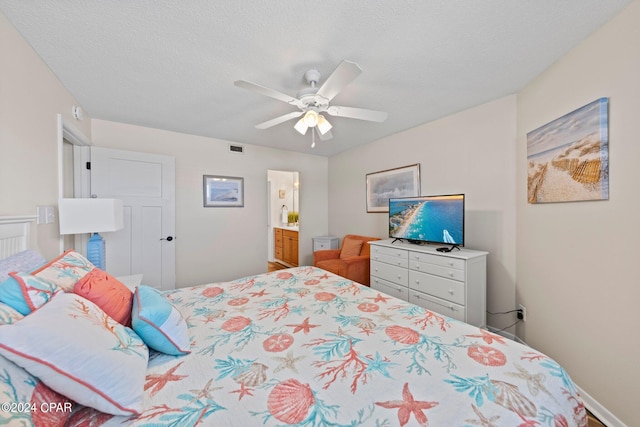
[(399, 182), (568, 158)]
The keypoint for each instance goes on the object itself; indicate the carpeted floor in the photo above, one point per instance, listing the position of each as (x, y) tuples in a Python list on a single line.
[(593, 421)]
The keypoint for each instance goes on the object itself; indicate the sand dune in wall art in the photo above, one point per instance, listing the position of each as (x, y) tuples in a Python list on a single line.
[(568, 158)]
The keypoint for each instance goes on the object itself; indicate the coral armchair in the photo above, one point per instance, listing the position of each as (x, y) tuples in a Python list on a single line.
[(350, 261)]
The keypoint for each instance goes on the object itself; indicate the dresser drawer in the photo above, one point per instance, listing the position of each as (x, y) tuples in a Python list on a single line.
[(437, 305), (438, 260), (390, 273), (278, 252), (389, 288), (438, 270), (451, 290), (389, 252), (393, 260)]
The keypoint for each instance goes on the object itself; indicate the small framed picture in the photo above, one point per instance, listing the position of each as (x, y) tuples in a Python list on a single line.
[(222, 191)]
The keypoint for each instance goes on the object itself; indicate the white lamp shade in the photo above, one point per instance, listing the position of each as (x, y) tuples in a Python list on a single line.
[(79, 216), (323, 125), (301, 126)]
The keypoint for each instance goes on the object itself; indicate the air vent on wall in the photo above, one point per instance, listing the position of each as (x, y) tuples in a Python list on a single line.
[(237, 149)]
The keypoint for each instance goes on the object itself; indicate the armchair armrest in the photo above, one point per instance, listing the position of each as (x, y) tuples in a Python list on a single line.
[(355, 268), (325, 254)]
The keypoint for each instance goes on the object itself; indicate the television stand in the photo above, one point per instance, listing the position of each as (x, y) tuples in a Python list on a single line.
[(450, 283)]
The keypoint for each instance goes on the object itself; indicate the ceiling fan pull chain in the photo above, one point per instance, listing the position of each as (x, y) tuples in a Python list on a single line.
[(313, 138)]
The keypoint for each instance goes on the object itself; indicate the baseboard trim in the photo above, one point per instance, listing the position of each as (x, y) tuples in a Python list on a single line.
[(599, 411)]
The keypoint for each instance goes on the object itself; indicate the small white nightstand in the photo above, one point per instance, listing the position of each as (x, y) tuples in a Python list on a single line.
[(132, 281), (321, 243)]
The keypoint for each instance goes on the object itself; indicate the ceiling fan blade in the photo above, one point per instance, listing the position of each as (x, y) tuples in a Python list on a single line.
[(271, 93), (357, 113), (341, 76), (278, 120)]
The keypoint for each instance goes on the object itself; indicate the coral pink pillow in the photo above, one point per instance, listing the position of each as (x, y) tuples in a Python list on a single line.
[(108, 293), (351, 247)]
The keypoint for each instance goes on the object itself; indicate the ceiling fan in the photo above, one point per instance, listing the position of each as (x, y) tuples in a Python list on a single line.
[(313, 101)]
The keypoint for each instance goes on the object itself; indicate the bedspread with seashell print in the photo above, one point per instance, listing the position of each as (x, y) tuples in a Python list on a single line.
[(306, 347)]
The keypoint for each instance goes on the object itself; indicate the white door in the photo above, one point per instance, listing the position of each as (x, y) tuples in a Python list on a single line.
[(146, 185)]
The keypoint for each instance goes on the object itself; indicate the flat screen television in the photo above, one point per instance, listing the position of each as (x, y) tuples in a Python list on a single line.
[(428, 219)]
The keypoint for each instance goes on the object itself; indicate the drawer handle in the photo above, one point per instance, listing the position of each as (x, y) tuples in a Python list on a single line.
[(451, 291), (400, 290), (451, 273), (417, 267), (399, 262)]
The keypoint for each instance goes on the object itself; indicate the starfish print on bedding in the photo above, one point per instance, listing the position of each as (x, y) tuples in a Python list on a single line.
[(287, 362), (258, 294), (407, 406), (488, 337), (379, 298), (156, 382), (304, 326), (483, 421), (205, 392), (243, 391)]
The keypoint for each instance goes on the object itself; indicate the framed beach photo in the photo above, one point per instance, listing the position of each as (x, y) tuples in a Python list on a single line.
[(222, 191), (391, 183), (568, 158)]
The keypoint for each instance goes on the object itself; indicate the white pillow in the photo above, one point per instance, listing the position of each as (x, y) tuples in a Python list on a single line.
[(72, 346), (22, 261)]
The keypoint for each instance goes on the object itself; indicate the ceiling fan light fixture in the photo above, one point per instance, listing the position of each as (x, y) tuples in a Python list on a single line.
[(323, 125), (301, 126), (311, 118)]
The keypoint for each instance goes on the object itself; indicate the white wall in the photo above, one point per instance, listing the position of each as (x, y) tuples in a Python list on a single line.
[(31, 98), (472, 152), (577, 262), (215, 244)]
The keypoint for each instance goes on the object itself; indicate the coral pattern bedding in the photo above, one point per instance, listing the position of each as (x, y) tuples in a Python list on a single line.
[(309, 348)]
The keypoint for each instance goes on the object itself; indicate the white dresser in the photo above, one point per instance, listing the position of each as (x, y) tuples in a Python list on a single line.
[(450, 283)]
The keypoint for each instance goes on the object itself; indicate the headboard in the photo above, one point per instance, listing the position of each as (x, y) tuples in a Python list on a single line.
[(15, 234)]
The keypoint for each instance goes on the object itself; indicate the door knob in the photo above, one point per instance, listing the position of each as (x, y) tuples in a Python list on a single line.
[(168, 239)]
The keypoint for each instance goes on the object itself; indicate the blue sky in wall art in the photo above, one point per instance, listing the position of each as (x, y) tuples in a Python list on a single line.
[(568, 158)]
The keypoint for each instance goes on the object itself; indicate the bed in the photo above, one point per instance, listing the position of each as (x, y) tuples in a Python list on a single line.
[(305, 347)]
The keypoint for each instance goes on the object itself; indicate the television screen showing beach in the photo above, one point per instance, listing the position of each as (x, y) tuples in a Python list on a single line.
[(437, 219), (568, 158)]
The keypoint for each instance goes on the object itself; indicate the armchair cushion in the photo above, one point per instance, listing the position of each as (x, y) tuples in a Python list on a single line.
[(351, 247)]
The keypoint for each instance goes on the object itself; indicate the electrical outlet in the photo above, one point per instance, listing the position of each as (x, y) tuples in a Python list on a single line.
[(523, 312)]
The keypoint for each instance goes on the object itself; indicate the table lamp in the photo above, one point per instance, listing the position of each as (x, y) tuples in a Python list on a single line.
[(79, 216)]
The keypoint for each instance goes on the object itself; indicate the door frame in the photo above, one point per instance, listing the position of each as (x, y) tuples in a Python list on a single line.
[(81, 179)]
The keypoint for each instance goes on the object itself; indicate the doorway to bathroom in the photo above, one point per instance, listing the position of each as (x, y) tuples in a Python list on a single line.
[(283, 215)]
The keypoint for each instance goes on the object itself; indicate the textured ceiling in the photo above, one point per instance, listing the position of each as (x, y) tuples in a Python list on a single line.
[(172, 64)]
